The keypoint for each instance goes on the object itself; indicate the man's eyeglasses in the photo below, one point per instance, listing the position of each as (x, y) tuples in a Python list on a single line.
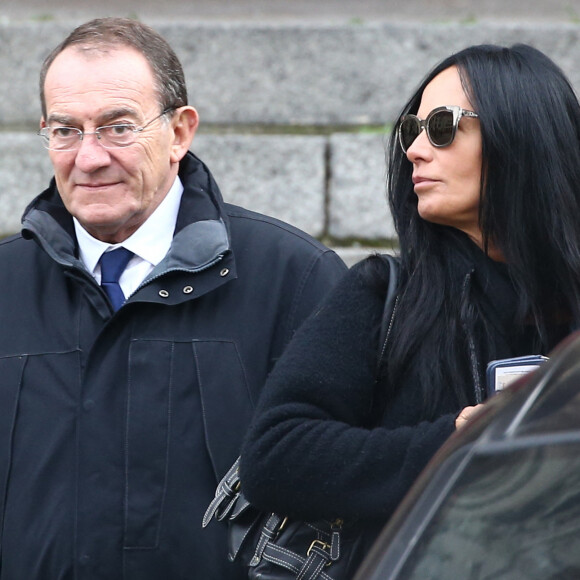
[(441, 125), (109, 136)]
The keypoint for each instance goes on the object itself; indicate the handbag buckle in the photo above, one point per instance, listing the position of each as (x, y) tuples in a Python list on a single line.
[(318, 544)]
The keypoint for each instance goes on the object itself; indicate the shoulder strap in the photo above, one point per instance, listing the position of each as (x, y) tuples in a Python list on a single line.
[(390, 305)]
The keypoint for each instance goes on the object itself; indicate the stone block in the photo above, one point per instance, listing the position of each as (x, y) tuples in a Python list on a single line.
[(281, 176), (23, 47), (353, 254), (357, 205), (288, 74), (310, 74), (25, 171)]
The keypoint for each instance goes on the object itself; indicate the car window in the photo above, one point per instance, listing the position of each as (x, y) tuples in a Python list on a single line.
[(557, 409), (513, 513)]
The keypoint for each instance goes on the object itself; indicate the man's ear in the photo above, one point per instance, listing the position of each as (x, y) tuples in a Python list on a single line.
[(184, 122)]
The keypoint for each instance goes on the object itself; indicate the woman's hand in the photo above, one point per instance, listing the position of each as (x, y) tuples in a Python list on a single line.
[(465, 415)]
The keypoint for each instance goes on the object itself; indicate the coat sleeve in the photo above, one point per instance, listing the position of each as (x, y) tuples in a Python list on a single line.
[(306, 280), (322, 273), (308, 453)]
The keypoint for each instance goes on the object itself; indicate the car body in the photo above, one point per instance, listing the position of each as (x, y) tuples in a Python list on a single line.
[(501, 499)]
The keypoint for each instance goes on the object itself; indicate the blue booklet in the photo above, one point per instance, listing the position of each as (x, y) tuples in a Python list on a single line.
[(502, 372)]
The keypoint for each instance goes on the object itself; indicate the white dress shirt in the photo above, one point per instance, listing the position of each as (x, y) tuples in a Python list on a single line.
[(150, 243)]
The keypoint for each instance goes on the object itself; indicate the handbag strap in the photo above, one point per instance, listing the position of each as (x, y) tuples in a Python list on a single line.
[(226, 494), (391, 300)]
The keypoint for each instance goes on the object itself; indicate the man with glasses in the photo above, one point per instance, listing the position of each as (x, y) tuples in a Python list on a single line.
[(141, 317)]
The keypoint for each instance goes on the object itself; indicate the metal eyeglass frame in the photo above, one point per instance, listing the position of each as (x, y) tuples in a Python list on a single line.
[(45, 133)]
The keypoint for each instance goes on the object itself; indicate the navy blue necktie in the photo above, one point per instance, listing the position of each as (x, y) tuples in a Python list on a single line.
[(112, 265)]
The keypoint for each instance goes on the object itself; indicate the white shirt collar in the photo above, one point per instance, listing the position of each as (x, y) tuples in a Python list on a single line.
[(150, 242)]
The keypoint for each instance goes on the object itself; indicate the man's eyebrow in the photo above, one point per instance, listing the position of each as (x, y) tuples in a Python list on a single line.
[(105, 118), (110, 116), (59, 119)]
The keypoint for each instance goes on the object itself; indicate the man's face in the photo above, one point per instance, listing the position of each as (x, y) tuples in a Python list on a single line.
[(110, 191)]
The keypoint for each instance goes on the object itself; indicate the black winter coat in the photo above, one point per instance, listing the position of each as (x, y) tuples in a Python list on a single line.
[(116, 427)]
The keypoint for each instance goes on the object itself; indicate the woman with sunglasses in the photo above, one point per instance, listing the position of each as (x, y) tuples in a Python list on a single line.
[(484, 187)]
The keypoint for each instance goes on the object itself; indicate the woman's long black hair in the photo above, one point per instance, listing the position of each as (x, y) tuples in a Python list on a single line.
[(529, 210)]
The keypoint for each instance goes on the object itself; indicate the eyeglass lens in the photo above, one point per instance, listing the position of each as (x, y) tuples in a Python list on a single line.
[(66, 138), (439, 127), (109, 136)]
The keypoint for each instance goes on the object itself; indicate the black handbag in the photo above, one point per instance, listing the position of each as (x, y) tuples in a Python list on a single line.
[(274, 547), (278, 548)]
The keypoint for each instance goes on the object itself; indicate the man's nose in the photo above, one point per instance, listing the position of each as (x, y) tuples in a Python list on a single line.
[(91, 154)]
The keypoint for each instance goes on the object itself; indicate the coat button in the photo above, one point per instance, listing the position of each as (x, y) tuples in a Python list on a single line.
[(163, 293), (224, 272), (88, 404), (188, 290), (84, 559)]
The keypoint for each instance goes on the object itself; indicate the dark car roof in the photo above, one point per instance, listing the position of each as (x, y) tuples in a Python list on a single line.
[(540, 411)]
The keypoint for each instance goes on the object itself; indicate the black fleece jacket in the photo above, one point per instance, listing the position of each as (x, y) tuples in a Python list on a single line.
[(312, 450)]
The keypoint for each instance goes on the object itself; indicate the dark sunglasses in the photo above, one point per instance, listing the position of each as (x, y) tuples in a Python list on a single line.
[(441, 125)]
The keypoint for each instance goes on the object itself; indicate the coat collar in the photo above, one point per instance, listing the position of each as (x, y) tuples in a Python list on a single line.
[(201, 236)]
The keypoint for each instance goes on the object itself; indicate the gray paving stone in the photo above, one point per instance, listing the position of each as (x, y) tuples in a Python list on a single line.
[(357, 205)]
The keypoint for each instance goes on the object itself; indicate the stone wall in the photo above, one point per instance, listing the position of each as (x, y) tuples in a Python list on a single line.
[(294, 117)]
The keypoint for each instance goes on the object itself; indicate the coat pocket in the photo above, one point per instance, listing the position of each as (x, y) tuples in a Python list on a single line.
[(148, 425)]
